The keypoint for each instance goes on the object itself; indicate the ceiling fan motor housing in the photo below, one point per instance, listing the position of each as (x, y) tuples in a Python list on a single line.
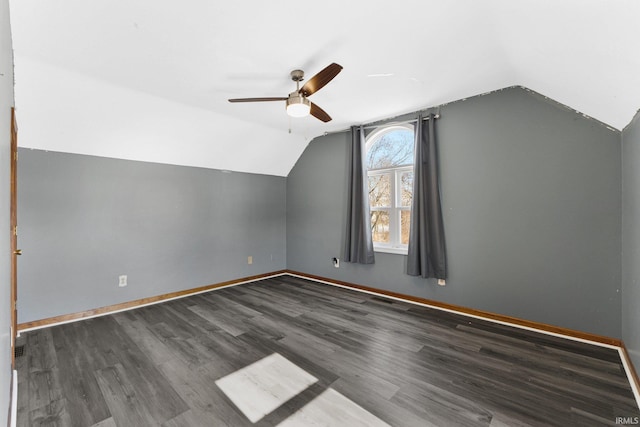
[(298, 105)]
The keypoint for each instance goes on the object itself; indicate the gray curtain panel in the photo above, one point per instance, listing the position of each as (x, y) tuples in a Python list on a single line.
[(427, 255), (358, 245)]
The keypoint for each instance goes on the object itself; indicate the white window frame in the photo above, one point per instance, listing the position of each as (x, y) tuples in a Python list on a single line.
[(394, 246)]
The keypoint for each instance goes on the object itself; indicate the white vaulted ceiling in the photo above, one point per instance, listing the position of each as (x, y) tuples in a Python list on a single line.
[(149, 79)]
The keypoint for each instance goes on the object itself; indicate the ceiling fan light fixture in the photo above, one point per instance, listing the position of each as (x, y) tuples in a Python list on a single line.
[(298, 105)]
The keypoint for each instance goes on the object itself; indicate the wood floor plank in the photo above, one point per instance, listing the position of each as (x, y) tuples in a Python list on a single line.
[(442, 407), (53, 414), (195, 417), (109, 422), (199, 389), (149, 343), (124, 403), (223, 320), (44, 385), (77, 361), (405, 364), (147, 382), (179, 347)]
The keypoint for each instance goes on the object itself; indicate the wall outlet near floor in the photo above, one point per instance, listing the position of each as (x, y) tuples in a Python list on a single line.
[(249, 260), (122, 281), (336, 262), (442, 282)]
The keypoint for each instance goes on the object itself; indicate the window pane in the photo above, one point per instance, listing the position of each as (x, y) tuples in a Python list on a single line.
[(380, 226), (380, 191), (405, 226), (406, 188), (391, 149)]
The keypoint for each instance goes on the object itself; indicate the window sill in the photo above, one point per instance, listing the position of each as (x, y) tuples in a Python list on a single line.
[(391, 250)]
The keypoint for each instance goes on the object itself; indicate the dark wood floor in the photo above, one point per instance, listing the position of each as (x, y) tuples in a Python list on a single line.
[(406, 364)]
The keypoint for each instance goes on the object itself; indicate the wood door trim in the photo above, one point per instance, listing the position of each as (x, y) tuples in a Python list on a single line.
[(13, 232)]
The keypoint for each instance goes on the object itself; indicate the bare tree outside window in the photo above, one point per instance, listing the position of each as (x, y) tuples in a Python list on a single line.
[(390, 149), (390, 173)]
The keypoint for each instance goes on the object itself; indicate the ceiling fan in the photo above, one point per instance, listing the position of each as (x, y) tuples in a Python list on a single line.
[(297, 103)]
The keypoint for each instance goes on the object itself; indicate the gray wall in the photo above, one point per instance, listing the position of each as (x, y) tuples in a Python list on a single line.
[(532, 205), (86, 220), (532, 211), (631, 239), (6, 102)]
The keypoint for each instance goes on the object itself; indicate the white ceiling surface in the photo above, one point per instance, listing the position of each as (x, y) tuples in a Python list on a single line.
[(149, 79)]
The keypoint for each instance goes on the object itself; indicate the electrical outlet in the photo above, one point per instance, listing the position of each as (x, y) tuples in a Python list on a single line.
[(122, 282), (336, 262), (249, 260), (442, 282)]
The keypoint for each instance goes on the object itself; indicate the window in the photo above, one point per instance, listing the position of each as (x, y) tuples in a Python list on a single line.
[(390, 174)]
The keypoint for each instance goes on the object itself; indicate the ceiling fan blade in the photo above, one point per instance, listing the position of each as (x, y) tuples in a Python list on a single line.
[(258, 99), (318, 81), (319, 113)]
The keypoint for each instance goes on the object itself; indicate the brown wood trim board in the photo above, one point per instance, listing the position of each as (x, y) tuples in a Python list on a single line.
[(23, 327), (513, 321), (470, 311), (631, 370)]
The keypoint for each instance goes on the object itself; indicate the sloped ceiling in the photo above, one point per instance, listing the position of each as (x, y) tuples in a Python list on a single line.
[(149, 79)]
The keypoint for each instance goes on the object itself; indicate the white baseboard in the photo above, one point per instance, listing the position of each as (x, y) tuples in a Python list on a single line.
[(14, 400)]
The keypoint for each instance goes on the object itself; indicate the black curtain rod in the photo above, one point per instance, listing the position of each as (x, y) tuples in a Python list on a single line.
[(435, 116), (371, 126)]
